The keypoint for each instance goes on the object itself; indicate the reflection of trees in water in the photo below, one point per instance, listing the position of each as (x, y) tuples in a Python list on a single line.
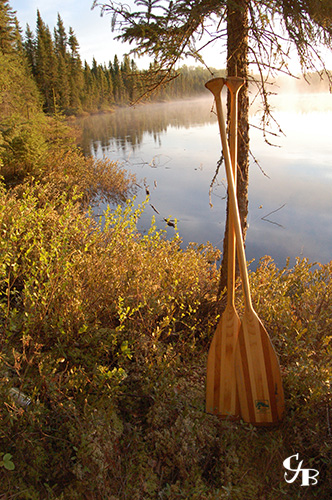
[(126, 126)]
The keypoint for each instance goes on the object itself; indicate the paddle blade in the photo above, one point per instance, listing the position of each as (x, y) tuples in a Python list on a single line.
[(221, 390), (258, 374)]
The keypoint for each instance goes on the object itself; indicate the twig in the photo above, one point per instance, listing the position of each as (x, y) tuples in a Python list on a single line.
[(258, 164), (273, 212), (328, 413), (219, 163), (154, 208)]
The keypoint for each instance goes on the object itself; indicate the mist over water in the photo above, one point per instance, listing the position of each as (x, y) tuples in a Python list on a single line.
[(173, 149)]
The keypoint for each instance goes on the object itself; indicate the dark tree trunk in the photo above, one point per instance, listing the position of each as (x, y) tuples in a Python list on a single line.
[(237, 65)]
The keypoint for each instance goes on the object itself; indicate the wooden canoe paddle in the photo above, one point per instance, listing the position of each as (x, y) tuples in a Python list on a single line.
[(221, 391), (257, 369)]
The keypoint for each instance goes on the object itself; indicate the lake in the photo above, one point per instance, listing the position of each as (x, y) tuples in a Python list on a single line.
[(173, 149)]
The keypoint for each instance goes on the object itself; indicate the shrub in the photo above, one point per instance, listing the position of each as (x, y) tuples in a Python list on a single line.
[(97, 180), (104, 336), (22, 146), (87, 314), (43, 149)]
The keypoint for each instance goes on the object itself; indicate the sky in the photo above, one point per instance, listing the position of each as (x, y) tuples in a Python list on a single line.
[(93, 32)]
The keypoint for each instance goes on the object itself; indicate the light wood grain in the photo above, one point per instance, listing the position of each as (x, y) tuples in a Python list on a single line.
[(258, 375), (221, 388)]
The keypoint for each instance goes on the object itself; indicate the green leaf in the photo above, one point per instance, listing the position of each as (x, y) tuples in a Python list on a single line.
[(7, 462)]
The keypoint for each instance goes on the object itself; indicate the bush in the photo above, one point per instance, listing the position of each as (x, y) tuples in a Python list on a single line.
[(43, 150), (84, 311), (105, 333), (22, 146), (97, 180)]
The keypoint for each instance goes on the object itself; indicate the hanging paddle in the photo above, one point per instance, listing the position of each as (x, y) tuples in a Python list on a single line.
[(221, 391), (257, 368)]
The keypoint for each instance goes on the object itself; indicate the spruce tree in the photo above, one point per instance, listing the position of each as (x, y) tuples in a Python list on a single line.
[(60, 38), (127, 77), (46, 67), (29, 45), (8, 28), (120, 93), (87, 98), (63, 87), (76, 78), (63, 70)]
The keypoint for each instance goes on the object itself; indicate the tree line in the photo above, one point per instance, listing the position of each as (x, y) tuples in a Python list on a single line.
[(67, 84)]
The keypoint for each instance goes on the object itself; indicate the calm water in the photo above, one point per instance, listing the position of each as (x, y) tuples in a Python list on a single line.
[(173, 148)]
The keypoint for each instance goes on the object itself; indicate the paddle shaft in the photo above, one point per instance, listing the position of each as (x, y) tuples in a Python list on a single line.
[(234, 84), (215, 86)]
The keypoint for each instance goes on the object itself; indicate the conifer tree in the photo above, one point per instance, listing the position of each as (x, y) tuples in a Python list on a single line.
[(120, 93), (63, 87), (94, 67), (18, 44), (20, 135), (127, 77), (88, 94), (63, 71), (8, 28), (60, 38), (74, 46), (46, 68), (109, 85), (29, 45), (103, 88), (76, 78)]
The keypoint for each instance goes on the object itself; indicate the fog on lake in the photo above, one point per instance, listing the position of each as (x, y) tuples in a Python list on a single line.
[(173, 148)]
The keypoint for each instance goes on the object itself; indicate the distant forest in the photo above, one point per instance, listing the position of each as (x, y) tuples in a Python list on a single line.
[(69, 85)]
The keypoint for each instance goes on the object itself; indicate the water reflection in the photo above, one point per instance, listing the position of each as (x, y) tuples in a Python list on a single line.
[(300, 173), (173, 148), (124, 129)]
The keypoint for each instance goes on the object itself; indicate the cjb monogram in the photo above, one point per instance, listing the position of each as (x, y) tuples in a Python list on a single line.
[(308, 476)]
